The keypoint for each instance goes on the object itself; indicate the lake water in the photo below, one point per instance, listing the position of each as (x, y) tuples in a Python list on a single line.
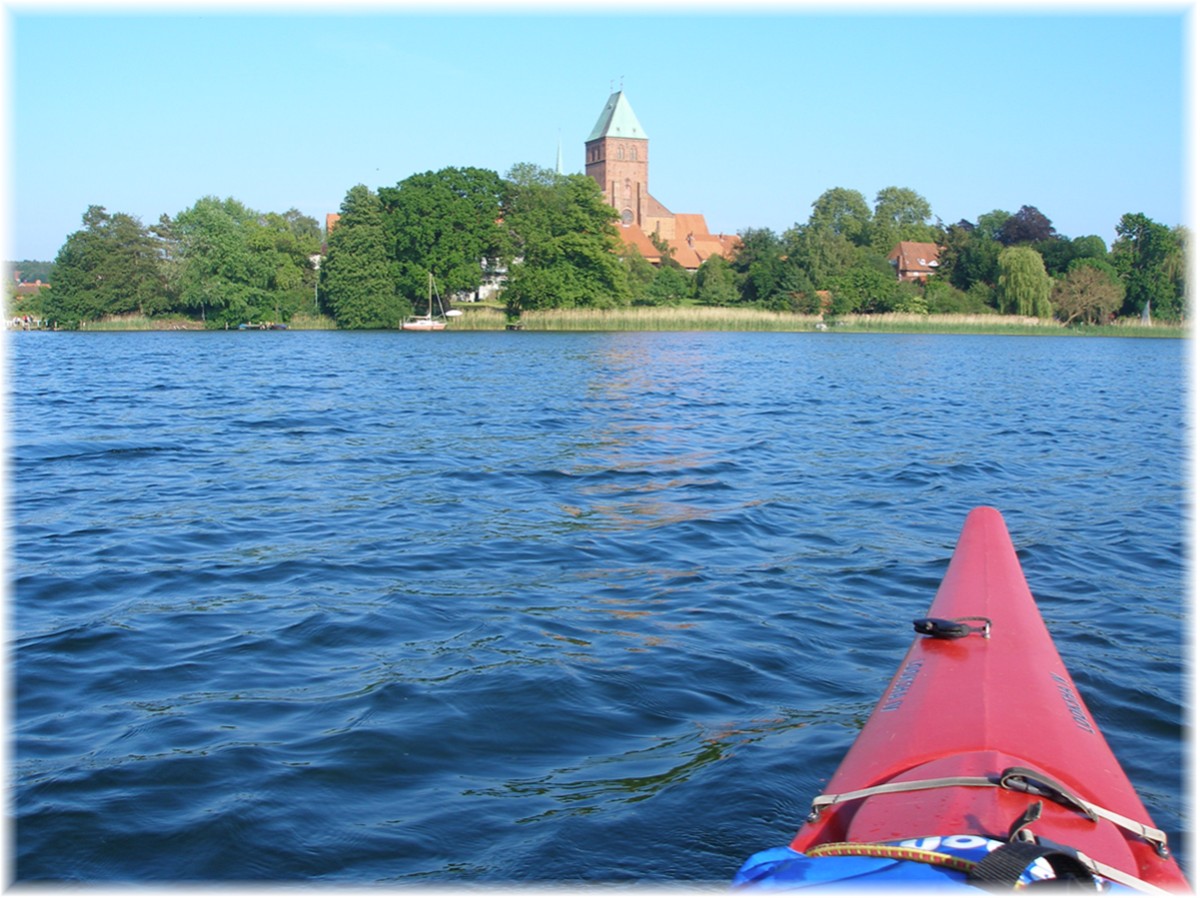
[(398, 609)]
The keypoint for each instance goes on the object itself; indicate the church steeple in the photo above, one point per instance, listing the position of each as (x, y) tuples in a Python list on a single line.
[(617, 120), (618, 157)]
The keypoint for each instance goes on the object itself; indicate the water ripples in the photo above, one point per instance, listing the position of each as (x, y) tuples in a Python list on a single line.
[(363, 609)]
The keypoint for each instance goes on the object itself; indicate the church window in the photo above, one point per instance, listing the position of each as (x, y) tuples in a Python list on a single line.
[(633, 153), (621, 152), (627, 216)]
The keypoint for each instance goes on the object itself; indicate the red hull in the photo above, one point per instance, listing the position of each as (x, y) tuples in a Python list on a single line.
[(976, 706)]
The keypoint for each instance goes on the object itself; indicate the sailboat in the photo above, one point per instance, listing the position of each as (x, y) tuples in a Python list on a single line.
[(427, 322)]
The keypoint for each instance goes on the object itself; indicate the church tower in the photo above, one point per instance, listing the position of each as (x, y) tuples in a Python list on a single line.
[(618, 158)]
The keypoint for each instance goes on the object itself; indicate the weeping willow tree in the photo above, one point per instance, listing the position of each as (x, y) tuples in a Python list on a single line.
[(1023, 288)]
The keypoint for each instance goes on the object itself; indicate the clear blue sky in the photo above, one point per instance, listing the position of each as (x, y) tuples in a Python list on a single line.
[(751, 117)]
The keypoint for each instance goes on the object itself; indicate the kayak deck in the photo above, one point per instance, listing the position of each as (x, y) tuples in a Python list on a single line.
[(964, 710)]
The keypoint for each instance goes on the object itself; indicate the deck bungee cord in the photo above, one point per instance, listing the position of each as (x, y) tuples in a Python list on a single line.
[(980, 719)]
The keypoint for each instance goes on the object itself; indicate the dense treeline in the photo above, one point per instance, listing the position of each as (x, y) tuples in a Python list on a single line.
[(28, 271), (218, 262), (550, 241)]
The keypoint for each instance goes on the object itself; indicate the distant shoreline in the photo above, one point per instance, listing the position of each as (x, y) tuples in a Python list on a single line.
[(695, 318)]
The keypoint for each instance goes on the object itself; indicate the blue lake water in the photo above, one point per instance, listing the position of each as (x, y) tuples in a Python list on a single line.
[(398, 610)]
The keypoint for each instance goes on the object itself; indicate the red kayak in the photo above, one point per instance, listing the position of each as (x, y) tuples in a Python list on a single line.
[(981, 742)]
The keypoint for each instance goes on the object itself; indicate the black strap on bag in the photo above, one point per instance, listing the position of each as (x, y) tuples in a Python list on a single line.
[(1000, 871)]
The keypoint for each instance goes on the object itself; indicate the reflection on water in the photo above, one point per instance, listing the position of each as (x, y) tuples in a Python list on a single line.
[(636, 775), (644, 440)]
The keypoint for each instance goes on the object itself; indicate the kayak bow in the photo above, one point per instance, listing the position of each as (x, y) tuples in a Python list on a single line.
[(980, 760)]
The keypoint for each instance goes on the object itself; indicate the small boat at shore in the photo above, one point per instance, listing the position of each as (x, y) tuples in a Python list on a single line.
[(980, 765), (428, 322)]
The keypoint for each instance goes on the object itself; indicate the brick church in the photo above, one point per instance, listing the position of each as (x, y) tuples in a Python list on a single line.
[(618, 157)]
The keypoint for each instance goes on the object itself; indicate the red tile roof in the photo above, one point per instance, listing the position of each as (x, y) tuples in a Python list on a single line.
[(631, 234), (692, 244), (914, 259)]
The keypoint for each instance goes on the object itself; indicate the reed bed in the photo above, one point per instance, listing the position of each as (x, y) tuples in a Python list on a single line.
[(311, 322), (666, 318), (702, 318), (711, 318), (951, 323), (140, 323), (1134, 328), (944, 323), (479, 318)]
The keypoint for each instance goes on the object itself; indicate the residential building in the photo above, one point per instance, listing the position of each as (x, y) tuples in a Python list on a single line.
[(914, 260)]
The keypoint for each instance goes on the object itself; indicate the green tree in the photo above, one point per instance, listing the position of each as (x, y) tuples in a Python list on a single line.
[(715, 282), (357, 283), (671, 286), (793, 290), (969, 256), (1150, 258), (866, 289), (759, 265), (170, 260), (1059, 253), (285, 246), (1023, 285), (109, 267), (565, 243), (842, 211), (819, 252), (901, 214), (222, 278), (1056, 253), (445, 222), (640, 273), (991, 223), (943, 297), (828, 244), (983, 296), (843, 234), (1089, 246)]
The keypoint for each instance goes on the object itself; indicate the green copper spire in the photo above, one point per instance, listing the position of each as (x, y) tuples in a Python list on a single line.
[(617, 120)]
